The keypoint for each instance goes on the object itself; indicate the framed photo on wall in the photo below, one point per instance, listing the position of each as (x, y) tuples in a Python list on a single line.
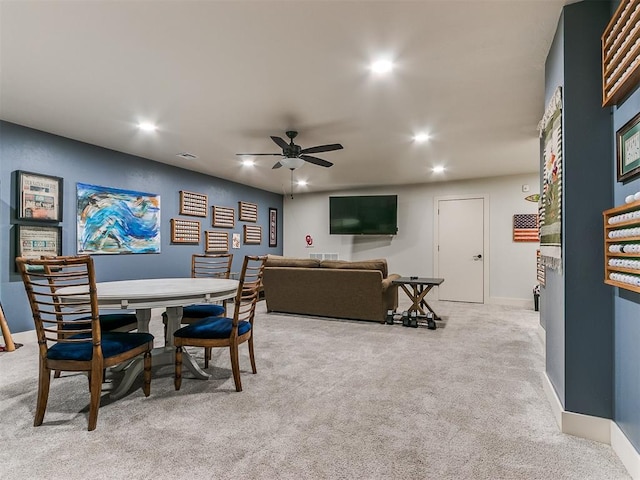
[(39, 197), (628, 150), (273, 227), (33, 241)]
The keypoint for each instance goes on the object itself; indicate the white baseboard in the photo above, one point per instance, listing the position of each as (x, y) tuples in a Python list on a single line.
[(513, 302), (625, 451), (602, 430)]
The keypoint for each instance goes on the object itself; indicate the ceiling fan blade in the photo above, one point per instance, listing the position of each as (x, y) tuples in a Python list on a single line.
[(257, 154), (280, 142), (277, 165), (322, 148), (316, 160)]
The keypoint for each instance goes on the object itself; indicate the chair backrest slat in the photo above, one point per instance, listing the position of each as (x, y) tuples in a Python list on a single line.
[(210, 265), (61, 290), (249, 287)]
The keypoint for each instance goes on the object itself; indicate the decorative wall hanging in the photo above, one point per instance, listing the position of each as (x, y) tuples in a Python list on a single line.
[(525, 227), (273, 227), (34, 241), (252, 235), (550, 128), (533, 198), (248, 211), (235, 242), (223, 217), (39, 197), (216, 242), (628, 150), (111, 220), (194, 204), (621, 53), (185, 231)]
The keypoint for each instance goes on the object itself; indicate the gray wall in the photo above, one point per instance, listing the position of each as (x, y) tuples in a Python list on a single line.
[(586, 354), (510, 267), (31, 150)]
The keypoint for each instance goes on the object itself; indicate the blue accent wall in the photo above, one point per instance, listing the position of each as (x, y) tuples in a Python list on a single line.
[(31, 150), (627, 310), (578, 315)]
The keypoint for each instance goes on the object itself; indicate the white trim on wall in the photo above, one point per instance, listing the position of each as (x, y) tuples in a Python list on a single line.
[(603, 430)]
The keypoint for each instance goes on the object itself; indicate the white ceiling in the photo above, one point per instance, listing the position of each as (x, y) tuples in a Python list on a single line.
[(220, 77)]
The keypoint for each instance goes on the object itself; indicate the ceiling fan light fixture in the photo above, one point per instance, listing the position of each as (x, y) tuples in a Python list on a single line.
[(291, 162)]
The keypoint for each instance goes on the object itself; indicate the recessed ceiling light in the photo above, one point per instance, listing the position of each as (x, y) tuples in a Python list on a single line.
[(382, 66), (147, 127), (438, 169), (421, 137), (301, 183), (248, 162)]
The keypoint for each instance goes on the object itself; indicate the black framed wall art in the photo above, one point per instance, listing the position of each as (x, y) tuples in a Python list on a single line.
[(39, 197)]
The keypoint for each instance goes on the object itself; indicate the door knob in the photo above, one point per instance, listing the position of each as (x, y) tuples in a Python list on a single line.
[(477, 257)]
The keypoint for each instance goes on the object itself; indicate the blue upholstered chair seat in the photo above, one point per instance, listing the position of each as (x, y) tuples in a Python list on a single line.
[(203, 310), (216, 327), (113, 343)]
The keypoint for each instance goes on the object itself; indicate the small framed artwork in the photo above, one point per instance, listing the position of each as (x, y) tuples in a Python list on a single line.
[(273, 227), (235, 240), (39, 197), (33, 241), (628, 150), (194, 204), (248, 212)]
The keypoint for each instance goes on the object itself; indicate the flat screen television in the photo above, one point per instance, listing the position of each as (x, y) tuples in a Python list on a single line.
[(363, 215)]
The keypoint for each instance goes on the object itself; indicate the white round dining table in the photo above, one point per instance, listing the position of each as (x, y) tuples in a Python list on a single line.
[(172, 294)]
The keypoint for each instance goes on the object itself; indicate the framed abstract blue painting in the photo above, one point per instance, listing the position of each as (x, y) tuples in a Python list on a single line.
[(112, 221)]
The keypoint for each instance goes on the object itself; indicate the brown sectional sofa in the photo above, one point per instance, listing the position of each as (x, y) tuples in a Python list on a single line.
[(330, 288)]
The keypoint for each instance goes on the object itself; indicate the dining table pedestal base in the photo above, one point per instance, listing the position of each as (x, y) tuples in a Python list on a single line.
[(160, 355)]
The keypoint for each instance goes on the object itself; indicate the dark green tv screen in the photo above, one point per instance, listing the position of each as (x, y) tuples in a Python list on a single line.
[(363, 215)]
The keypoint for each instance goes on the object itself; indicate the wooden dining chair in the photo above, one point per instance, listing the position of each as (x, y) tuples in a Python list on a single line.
[(62, 290), (227, 332), (205, 266)]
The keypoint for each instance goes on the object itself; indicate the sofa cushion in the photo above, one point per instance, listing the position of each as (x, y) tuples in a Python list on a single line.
[(377, 264), (278, 261)]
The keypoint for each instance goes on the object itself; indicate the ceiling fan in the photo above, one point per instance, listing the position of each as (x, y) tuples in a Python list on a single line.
[(293, 156)]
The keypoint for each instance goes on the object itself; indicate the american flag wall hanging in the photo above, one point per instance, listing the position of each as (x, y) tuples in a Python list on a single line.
[(525, 227)]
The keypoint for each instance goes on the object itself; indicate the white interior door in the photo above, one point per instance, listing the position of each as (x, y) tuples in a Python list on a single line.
[(460, 249)]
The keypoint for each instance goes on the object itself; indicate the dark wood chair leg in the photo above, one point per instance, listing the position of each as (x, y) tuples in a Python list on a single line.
[(251, 357), (43, 394), (177, 381), (235, 366), (95, 379), (207, 356), (146, 388)]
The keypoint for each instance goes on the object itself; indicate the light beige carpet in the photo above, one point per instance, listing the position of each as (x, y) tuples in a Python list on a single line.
[(332, 400)]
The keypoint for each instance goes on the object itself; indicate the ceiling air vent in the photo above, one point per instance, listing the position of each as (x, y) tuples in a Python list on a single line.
[(187, 156)]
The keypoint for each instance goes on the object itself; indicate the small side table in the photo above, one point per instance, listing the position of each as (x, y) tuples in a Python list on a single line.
[(416, 289)]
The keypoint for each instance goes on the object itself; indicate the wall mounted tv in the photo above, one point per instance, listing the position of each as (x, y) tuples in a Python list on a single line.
[(363, 215)]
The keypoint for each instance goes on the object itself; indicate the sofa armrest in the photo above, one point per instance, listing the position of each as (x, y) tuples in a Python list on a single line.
[(386, 283)]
